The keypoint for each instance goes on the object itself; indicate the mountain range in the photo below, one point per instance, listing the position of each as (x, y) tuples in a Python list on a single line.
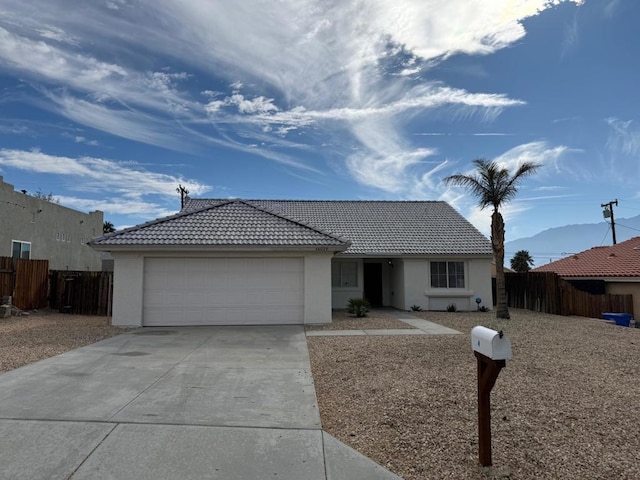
[(558, 242)]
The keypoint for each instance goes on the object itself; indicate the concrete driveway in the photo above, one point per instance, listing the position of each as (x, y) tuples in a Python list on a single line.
[(174, 403)]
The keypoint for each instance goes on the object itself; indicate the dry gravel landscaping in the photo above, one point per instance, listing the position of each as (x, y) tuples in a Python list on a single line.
[(43, 334), (375, 320), (567, 406)]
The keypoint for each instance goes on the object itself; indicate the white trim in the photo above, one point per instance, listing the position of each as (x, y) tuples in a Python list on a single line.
[(450, 292), (20, 241), (176, 249)]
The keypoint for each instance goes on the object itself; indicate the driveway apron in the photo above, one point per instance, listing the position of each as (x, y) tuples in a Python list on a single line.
[(174, 403)]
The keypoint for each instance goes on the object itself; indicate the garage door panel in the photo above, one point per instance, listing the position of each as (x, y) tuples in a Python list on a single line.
[(223, 291)]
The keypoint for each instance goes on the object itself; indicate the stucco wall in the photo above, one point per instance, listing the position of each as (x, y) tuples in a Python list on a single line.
[(317, 288), (418, 289), (128, 289), (408, 283), (397, 285), (56, 233), (341, 295), (626, 288), (128, 273)]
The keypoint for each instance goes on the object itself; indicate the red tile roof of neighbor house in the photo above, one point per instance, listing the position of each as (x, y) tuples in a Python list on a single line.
[(621, 260)]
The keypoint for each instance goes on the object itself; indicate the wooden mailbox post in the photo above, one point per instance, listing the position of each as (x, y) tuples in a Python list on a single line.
[(491, 349)]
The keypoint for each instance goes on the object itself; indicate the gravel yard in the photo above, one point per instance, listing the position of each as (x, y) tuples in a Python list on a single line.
[(44, 334), (566, 406), (375, 320)]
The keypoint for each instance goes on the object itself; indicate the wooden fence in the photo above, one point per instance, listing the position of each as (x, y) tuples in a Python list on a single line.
[(85, 293), (6, 276), (547, 292), (27, 282), (32, 286)]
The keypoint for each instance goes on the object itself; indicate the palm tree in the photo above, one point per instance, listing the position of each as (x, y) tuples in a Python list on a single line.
[(494, 186), (522, 261), (107, 227)]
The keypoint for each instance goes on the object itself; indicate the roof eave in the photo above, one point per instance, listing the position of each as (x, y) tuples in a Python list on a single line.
[(416, 255), (607, 278), (219, 248)]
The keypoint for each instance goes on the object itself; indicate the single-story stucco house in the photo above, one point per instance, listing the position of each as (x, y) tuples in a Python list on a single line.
[(221, 262)]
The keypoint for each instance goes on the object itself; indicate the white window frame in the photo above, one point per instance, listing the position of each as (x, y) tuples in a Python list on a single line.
[(448, 275), (343, 282), (21, 242)]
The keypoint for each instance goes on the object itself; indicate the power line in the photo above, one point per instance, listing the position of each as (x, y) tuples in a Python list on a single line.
[(605, 235), (630, 228)]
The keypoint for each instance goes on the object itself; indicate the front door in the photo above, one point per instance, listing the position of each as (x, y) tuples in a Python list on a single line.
[(373, 283)]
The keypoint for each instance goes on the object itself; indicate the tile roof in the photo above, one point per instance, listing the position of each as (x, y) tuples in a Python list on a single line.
[(382, 227), (621, 260), (228, 223)]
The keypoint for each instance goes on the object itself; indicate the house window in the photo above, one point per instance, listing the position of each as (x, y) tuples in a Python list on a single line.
[(20, 250), (344, 275), (447, 274)]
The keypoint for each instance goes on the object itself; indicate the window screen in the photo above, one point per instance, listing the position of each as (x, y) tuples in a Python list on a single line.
[(344, 275), (447, 274)]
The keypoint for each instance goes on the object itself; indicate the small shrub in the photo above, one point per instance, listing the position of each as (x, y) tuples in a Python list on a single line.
[(416, 308), (483, 309), (452, 307), (358, 307)]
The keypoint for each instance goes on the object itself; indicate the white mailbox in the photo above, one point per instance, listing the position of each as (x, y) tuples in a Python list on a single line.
[(490, 343)]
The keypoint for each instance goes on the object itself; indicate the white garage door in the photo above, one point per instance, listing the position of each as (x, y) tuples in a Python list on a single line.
[(223, 291)]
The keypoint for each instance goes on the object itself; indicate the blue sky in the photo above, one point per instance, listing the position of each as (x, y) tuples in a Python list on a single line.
[(110, 104)]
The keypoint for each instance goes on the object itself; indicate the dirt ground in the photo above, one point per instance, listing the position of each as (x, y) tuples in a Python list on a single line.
[(375, 320), (565, 407), (43, 334)]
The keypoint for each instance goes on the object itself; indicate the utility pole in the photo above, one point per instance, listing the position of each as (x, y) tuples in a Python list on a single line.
[(183, 192), (608, 213)]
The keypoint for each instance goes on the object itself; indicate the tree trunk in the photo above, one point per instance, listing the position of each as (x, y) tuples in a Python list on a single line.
[(497, 244)]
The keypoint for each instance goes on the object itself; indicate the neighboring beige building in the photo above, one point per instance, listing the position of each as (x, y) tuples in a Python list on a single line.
[(36, 229)]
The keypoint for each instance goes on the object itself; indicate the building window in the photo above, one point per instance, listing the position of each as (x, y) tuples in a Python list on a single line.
[(447, 274), (20, 250), (344, 275)]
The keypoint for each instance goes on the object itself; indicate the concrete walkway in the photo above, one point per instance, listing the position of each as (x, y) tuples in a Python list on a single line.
[(421, 327), (174, 403)]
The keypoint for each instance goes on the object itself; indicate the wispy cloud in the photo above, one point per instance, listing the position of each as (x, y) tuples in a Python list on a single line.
[(120, 206), (13, 128), (624, 137), (86, 141), (458, 134), (125, 182), (535, 152), (571, 37), (126, 123), (492, 134), (546, 197), (550, 188), (295, 67), (610, 7)]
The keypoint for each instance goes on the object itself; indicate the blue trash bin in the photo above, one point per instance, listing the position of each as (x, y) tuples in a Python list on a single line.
[(621, 319)]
